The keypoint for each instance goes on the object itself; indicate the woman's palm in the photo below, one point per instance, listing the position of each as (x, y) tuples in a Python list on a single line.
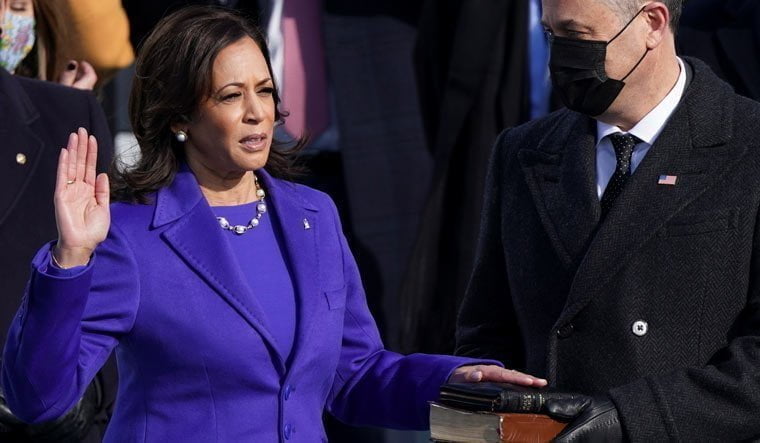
[(81, 196)]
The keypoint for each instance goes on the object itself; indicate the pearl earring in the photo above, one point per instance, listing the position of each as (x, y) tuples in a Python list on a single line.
[(181, 136)]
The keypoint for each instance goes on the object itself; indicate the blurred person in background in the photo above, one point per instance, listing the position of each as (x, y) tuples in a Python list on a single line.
[(61, 40), (37, 117), (726, 35), (98, 32), (32, 46), (481, 67)]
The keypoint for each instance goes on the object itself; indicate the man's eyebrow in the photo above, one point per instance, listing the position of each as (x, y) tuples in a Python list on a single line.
[(569, 23)]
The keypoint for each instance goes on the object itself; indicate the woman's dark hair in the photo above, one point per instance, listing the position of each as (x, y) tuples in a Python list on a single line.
[(45, 60), (173, 74)]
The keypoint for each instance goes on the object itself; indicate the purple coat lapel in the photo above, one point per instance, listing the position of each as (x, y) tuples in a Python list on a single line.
[(300, 230), (196, 238)]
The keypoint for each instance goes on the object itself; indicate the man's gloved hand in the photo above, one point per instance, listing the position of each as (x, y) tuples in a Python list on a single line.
[(71, 427), (8, 422), (592, 419)]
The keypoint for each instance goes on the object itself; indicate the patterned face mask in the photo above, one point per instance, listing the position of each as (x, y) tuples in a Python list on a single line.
[(16, 41)]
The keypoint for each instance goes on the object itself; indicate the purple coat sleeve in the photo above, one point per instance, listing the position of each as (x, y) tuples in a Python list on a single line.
[(54, 348), (376, 387)]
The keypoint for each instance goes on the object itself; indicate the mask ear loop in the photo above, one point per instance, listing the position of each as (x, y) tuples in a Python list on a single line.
[(627, 24), (623, 30), (636, 66)]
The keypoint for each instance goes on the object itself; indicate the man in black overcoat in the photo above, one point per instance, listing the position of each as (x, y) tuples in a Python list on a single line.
[(619, 255), (35, 121)]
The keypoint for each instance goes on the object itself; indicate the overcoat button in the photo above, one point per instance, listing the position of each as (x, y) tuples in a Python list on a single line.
[(566, 330), (640, 328), (21, 158)]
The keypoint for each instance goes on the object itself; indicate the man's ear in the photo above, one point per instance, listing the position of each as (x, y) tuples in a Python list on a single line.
[(657, 16)]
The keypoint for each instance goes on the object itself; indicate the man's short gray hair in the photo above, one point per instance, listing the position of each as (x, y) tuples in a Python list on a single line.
[(625, 9)]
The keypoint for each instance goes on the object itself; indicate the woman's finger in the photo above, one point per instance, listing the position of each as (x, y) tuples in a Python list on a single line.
[(71, 158), (81, 154), (62, 173), (102, 193), (86, 76), (68, 76), (492, 373), (497, 374), (92, 160)]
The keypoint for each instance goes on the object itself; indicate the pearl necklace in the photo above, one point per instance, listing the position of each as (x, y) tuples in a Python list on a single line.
[(261, 208)]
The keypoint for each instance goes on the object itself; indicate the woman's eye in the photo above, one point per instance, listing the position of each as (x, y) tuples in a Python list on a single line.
[(230, 97), (266, 91), (20, 6)]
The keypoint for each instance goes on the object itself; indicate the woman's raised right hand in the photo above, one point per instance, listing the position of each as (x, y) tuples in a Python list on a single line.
[(81, 202)]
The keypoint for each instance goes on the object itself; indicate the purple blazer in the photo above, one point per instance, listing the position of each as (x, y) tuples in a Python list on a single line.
[(196, 356)]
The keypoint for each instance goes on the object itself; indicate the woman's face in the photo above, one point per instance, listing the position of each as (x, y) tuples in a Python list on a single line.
[(231, 132)]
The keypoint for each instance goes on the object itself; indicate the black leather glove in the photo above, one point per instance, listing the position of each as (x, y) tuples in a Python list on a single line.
[(71, 427), (592, 419)]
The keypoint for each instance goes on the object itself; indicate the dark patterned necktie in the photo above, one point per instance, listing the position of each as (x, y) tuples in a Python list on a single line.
[(623, 144)]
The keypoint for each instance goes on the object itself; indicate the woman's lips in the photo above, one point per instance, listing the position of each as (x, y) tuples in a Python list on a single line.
[(255, 142)]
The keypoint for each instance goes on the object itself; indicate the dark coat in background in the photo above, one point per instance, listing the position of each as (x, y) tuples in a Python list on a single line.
[(558, 295), (472, 72), (37, 118), (726, 35)]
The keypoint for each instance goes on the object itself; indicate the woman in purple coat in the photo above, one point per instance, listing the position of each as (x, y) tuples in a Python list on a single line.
[(233, 304)]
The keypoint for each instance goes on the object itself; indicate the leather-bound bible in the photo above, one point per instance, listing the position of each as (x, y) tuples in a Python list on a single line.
[(460, 426), (495, 412)]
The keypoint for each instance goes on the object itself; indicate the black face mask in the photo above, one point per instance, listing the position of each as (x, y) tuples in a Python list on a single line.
[(579, 75)]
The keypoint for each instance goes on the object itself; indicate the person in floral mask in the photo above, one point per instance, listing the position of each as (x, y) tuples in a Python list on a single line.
[(33, 44)]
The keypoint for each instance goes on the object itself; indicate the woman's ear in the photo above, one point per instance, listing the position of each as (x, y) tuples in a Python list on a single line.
[(181, 123)]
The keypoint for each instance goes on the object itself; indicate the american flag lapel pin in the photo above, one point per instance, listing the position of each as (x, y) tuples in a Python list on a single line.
[(667, 180), (306, 224)]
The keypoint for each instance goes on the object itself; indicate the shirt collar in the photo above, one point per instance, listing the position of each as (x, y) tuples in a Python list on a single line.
[(649, 128)]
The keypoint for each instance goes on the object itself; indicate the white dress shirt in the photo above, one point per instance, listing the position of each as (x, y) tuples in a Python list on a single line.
[(647, 130)]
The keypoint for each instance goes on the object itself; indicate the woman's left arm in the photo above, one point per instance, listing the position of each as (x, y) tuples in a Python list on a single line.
[(376, 387)]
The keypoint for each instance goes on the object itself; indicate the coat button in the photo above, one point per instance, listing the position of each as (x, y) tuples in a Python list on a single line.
[(640, 328), (286, 392), (288, 431), (21, 158), (566, 330)]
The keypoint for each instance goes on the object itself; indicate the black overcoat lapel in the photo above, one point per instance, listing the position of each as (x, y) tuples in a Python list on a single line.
[(560, 174)]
